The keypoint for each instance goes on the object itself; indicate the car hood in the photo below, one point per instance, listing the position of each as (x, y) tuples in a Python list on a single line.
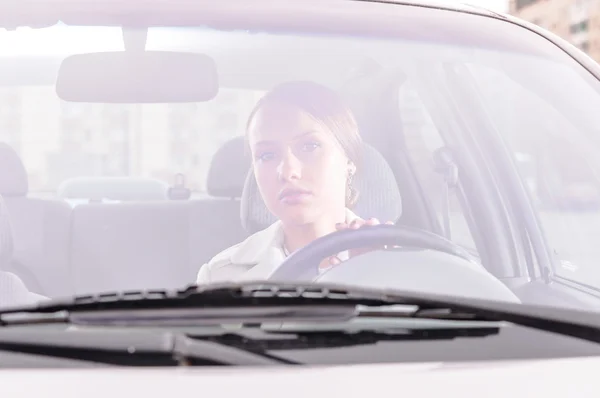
[(472, 379)]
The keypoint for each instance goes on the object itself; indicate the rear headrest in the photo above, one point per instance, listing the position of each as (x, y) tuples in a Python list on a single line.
[(6, 237), (379, 195), (228, 169), (13, 176), (115, 188)]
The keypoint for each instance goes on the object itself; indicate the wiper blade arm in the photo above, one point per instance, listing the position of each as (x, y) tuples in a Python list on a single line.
[(338, 339), (189, 350), (165, 349)]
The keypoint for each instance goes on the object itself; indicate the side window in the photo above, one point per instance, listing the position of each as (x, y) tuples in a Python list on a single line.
[(560, 167), (422, 141)]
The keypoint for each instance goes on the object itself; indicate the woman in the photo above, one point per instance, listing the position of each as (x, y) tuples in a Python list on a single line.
[(305, 147)]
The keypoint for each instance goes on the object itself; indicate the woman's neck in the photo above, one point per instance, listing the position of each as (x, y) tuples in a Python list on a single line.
[(298, 236)]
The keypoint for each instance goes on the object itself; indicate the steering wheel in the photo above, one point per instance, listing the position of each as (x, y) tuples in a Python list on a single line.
[(304, 262)]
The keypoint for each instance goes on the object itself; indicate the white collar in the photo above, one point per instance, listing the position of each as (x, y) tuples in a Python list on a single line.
[(267, 245)]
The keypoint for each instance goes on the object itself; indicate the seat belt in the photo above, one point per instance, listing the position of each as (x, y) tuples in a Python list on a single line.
[(444, 164)]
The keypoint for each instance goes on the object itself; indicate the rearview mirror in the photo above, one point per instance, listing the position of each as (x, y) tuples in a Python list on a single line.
[(137, 77)]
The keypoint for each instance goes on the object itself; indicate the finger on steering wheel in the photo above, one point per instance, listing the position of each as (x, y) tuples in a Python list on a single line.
[(356, 224)]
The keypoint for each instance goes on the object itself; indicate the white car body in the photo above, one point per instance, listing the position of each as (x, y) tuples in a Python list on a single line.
[(565, 377)]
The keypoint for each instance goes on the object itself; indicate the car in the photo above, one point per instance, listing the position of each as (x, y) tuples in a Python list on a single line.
[(474, 127)]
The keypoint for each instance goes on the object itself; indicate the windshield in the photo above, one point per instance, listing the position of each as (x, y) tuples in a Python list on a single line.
[(482, 157)]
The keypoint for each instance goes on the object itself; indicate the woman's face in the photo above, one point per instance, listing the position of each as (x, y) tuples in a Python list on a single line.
[(300, 168)]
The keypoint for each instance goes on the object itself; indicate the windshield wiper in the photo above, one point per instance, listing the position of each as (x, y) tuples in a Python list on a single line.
[(143, 348), (298, 340), (257, 302), (132, 348)]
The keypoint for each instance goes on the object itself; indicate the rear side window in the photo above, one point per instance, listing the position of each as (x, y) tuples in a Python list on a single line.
[(423, 140)]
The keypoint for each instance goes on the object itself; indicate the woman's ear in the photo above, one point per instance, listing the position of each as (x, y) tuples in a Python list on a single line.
[(351, 192), (351, 168)]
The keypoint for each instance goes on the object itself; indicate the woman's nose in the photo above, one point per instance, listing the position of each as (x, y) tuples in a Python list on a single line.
[(289, 168)]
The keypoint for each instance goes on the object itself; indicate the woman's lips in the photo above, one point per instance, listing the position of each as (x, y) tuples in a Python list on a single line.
[(294, 196)]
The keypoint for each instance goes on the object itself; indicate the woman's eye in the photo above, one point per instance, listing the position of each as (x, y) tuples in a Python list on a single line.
[(265, 156), (310, 146)]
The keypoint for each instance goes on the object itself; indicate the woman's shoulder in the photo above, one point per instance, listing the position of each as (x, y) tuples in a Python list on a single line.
[(224, 256), (246, 253)]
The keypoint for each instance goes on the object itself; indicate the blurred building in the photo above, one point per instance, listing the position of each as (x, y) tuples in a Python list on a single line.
[(577, 21), (58, 140)]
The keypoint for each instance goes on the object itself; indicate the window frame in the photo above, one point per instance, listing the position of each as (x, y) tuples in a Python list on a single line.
[(496, 242), (518, 195), (457, 191)]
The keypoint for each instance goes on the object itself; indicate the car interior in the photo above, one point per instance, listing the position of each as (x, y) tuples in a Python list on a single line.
[(145, 240), (94, 189), (100, 235)]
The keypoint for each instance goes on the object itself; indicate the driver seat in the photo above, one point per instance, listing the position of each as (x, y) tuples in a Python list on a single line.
[(379, 195)]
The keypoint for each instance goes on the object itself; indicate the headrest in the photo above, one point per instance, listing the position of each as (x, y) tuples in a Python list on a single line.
[(379, 195), (13, 176), (228, 169), (373, 98), (6, 237), (115, 188)]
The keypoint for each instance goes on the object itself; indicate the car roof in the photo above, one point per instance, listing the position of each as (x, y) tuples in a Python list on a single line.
[(379, 15), (41, 13), (469, 25)]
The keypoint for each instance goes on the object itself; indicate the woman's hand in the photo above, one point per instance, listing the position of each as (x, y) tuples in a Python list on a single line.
[(356, 224)]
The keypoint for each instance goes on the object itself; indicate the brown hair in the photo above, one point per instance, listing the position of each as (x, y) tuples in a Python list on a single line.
[(327, 108)]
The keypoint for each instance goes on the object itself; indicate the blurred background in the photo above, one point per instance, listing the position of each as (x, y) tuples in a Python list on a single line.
[(574, 20)]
